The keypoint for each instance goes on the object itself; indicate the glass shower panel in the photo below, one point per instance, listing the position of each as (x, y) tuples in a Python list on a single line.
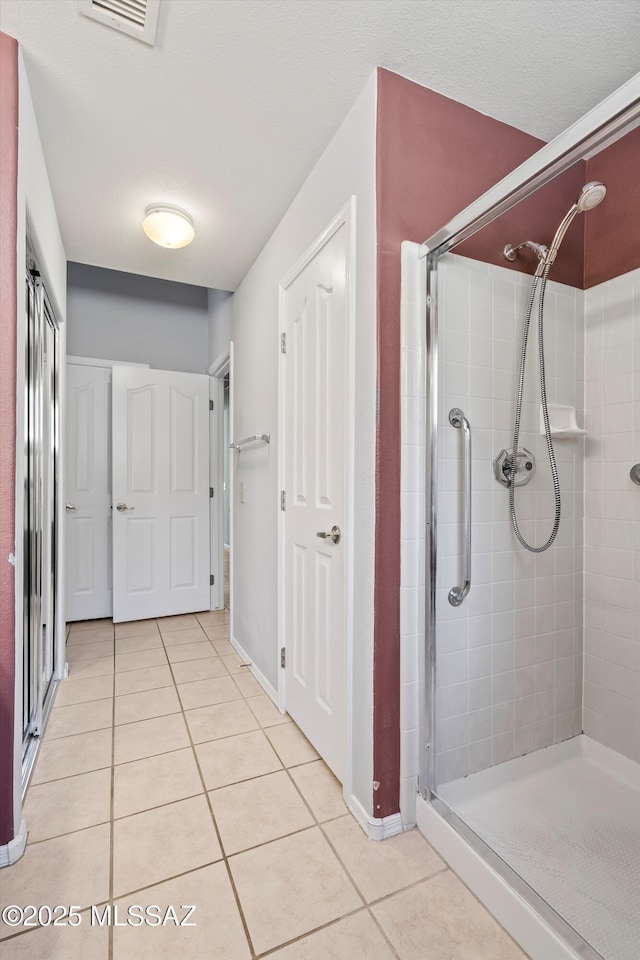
[(510, 656), (532, 755), (40, 512)]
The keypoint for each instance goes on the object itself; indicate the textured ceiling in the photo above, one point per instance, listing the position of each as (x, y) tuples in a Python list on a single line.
[(229, 111)]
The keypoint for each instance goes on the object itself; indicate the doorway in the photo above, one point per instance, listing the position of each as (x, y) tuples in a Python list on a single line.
[(137, 487), (221, 471)]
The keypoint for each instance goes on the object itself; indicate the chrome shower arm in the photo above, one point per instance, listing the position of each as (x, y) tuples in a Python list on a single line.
[(510, 252)]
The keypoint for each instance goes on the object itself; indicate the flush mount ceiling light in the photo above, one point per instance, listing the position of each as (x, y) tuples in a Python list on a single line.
[(168, 226)]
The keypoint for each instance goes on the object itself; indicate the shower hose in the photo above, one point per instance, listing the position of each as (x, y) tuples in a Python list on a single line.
[(538, 285)]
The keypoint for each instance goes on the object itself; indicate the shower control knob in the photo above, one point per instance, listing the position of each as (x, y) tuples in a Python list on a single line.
[(525, 467), (634, 473)]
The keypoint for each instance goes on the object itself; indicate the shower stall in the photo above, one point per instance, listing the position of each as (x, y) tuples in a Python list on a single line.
[(521, 543)]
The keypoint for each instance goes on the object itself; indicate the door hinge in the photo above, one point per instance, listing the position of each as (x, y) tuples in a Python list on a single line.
[(283, 343), (210, 492), (283, 657), (212, 579), (283, 500), (210, 404)]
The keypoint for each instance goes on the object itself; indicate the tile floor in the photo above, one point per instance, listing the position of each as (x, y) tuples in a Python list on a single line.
[(168, 777)]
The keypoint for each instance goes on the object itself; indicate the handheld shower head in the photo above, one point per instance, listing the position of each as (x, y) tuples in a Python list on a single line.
[(590, 196)]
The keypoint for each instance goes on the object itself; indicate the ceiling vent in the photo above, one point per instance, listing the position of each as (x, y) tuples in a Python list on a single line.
[(138, 18)]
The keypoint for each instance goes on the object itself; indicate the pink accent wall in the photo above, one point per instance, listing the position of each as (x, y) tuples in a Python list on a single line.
[(612, 230), (433, 157), (8, 315)]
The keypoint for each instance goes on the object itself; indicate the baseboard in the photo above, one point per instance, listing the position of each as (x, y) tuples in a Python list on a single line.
[(268, 688), (376, 828), (12, 851)]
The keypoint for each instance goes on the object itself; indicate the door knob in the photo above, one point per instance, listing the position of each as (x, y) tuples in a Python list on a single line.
[(335, 534), (121, 507), (70, 506)]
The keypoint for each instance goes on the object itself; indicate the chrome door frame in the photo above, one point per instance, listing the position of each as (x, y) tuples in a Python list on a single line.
[(38, 689)]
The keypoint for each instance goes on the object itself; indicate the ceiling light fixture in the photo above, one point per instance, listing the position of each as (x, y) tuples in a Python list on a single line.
[(168, 226)]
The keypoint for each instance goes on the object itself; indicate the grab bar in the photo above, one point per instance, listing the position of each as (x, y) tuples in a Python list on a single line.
[(256, 438), (457, 594)]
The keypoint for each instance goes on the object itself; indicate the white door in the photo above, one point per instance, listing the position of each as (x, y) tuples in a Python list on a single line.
[(88, 493), (160, 493), (315, 398)]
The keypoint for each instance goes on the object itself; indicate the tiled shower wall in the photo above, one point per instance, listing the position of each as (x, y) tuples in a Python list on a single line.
[(612, 515), (510, 657), (510, 671)]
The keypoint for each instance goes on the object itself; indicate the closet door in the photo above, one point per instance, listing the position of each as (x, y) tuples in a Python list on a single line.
[(88, 493)]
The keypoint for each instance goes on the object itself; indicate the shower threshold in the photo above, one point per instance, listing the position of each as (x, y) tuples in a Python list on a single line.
[(566, 819)]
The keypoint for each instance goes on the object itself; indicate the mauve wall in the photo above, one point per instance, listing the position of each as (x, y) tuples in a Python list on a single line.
[(612, 230), (434, 156), (8, 267)]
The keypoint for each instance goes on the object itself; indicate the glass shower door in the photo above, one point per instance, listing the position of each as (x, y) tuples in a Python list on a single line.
[(41, 432)]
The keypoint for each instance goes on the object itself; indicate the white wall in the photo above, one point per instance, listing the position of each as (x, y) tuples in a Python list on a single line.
[(219, 306), (346, 168), (36, 213), (124, 316)]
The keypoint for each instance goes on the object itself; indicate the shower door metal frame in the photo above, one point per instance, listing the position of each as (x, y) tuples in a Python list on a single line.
[(608, 121), (611, 119), (41, 667)]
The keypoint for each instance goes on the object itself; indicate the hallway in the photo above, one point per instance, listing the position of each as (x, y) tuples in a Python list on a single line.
[(168, 777)]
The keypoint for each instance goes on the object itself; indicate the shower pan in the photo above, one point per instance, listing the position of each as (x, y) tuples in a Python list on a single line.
[(523, 626)]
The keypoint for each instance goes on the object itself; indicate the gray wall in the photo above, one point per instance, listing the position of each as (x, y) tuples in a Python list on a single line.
[(124, 316), (219, 323)]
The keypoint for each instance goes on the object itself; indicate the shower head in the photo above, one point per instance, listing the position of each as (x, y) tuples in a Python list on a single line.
[(590, 196)]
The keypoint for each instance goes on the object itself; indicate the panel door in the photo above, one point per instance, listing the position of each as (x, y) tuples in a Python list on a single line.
[(88, 493), (315, 323), (160, 493)]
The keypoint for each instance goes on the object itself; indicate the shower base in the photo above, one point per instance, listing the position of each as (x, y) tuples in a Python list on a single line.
[(567, 820)]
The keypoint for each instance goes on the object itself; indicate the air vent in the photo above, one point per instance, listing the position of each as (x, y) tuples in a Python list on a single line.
[(138, 18)]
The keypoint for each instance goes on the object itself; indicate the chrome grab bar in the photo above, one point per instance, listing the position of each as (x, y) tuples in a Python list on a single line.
[(256, 438), (457, 594)]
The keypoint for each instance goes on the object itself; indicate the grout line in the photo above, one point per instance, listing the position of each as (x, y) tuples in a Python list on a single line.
[(224, 856), (174, 876), (152, 756), (68, 776), (216, 828), (112, 804), (303, 936), (320, 826), (27, 930)]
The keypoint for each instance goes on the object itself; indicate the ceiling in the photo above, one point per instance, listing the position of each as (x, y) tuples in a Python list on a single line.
[(227, 114)]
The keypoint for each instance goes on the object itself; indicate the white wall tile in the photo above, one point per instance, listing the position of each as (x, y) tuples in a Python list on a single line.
[(510, 665)]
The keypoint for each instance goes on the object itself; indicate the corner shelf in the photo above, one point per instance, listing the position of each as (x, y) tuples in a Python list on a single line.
[(562, 421)]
